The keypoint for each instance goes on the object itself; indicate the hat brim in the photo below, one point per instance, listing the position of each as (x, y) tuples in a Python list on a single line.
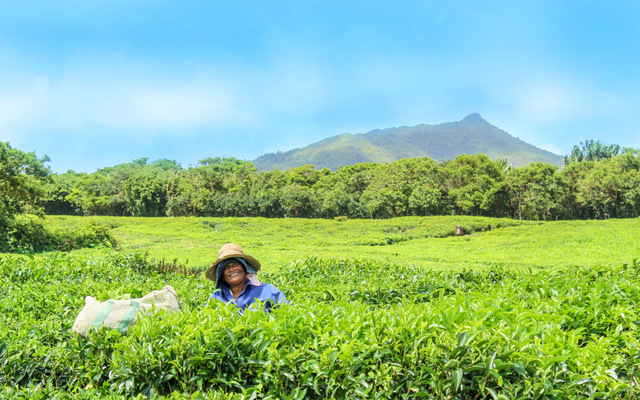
[(211, 271)]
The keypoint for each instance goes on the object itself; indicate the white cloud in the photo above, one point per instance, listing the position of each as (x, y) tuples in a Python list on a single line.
[(294, 82), (128, 95), (140, 98), (549, 101), (19, 105), (192, 104)]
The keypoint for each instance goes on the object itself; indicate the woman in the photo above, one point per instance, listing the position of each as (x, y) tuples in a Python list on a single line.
[(234, 273)]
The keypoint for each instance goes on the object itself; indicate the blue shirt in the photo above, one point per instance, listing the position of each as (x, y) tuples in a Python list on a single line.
[(266, 293)]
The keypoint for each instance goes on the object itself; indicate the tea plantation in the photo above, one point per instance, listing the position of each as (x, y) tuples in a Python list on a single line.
[(357, 327)]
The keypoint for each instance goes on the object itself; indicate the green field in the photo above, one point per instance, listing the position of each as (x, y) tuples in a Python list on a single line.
[(421, 241), (397, 308)]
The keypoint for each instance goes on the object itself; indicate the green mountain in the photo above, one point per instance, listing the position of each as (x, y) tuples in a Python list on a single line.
[(472, 135)]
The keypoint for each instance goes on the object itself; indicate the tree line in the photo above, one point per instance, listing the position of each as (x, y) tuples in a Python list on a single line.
[(598, 181), (24, 185)]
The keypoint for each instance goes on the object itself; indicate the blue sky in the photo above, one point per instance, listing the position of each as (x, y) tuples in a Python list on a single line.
[(98, 83)]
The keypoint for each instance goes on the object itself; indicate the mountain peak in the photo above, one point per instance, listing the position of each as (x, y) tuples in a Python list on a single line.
[(474, 117), (472, 135)]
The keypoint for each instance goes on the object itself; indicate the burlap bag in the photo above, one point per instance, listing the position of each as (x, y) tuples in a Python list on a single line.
[(121, 314)]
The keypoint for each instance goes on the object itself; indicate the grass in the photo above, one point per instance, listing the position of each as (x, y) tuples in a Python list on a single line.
[(420, 241)]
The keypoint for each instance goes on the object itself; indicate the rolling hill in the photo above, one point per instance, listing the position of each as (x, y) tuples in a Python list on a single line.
[(471, 135)]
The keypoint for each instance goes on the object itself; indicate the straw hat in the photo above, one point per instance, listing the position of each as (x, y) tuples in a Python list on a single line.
[(231, 250)]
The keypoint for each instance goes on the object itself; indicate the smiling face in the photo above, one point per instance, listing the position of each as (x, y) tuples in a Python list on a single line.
[(234, 274)]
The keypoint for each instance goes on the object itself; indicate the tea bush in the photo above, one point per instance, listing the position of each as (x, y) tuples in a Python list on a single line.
[(354, 329), (427, 242), (78, 236), (28, 233)]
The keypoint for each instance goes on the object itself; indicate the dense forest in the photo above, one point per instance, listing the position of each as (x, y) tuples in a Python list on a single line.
[(598, 181)]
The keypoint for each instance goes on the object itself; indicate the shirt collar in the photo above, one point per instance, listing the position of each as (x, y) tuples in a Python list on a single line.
[(227, 290)]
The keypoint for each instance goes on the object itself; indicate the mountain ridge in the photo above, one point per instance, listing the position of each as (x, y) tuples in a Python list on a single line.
[(471, 135)]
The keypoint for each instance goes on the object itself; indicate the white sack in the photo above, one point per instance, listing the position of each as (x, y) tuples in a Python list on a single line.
[(120, 314)]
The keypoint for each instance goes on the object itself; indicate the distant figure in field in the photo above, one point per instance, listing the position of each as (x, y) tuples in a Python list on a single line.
[(459, 230), (235, 275)]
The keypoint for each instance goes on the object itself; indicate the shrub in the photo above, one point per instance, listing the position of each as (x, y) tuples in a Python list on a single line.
[(354, 329), (87, 235), (26, 233)]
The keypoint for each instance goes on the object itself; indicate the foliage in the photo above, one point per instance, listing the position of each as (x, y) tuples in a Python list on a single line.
[(29, 233), (22, 176), (58, 194), (24, 182), (427, 241), (194, 241), (607, 188), (475, 185), (468, 185), (137, 188), (536, 190), (82, 235), (355, 329), (591, 150)]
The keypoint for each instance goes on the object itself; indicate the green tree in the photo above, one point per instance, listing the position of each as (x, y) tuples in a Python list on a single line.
[(146, 192), (58, 190), (535, 190), (426, 200), (104, 191), (591, 150), (611, 187), (341, 192), (22, 188), (227, 173), (98, 194), (572, 202), (299, 201), (475, 185), (146, 189), (403, 187), (265, 191), (215, 187)]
